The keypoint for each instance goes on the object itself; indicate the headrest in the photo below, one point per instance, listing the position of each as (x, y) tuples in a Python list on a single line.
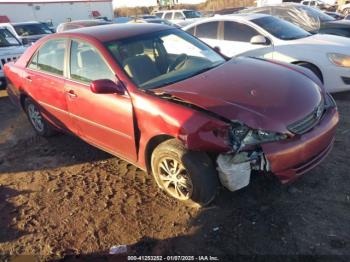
[(132, 49), (87, 57)]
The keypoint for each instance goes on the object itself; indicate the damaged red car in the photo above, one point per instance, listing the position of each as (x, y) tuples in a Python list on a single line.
[(166, 102)]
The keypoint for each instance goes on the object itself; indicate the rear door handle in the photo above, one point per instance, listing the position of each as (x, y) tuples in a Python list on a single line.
[(72, 94)]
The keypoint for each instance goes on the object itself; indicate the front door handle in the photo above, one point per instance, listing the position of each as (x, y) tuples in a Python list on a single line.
[(72, 94)]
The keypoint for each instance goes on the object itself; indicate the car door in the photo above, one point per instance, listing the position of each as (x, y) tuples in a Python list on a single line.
[(44, 81), (236, 41), (105, 120), (208, 32)]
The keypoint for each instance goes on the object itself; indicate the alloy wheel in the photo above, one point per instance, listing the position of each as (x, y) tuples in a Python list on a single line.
[(35, 117), (175, 179)]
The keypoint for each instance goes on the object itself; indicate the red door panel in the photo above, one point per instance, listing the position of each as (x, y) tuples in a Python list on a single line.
[(105, 120)]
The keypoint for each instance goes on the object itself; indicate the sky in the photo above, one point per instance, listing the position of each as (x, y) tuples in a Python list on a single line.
[(132, 3)]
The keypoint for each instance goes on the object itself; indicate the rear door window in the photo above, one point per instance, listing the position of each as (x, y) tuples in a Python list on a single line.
[(238, 32), (207, 30), (50, 57)]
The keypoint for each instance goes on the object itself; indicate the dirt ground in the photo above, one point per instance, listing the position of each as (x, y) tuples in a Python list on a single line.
[(60, 197)]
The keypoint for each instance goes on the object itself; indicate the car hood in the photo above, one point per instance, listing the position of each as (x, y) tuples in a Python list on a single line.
[(11, 50), (328, 43), (258, 93)]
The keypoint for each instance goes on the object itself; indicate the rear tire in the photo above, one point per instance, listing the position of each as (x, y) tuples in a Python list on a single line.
[(187, 176), (38, 122)]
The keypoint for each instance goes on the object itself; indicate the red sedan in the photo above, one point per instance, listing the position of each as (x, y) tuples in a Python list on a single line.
[(164, 101)]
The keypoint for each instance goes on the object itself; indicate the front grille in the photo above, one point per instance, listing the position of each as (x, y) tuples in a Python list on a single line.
[(4, 60), (307, 123)]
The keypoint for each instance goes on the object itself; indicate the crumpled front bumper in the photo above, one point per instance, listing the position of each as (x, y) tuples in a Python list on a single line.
[(293, 157)]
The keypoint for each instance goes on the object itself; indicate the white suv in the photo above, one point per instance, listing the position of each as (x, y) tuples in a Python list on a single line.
[(10, 49), (179, 17)]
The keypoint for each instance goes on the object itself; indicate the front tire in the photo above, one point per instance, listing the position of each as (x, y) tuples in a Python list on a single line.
[(38, 122), (187, 176)]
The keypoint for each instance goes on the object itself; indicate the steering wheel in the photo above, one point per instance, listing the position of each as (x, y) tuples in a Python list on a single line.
[(178, 63)]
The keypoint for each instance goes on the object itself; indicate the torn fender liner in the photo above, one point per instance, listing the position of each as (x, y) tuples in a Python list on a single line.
[(234, 170)]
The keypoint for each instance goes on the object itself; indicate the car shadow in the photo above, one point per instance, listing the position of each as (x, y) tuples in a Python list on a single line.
[(19, 141), (9, 214)]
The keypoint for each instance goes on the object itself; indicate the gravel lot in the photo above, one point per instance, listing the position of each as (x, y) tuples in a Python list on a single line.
[(60, 197)]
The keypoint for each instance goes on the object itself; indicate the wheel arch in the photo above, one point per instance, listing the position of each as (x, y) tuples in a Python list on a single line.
[(22, 97), (311, 64), (151, 145)]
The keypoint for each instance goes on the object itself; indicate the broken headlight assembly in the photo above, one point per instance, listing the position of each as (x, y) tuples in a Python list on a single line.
[(243, 135)]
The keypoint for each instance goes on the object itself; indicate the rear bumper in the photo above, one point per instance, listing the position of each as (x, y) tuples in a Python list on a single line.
[(292, 158)]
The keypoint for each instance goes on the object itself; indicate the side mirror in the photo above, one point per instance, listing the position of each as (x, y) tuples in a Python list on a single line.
[(217, 49), (259, 40), (106, 86)]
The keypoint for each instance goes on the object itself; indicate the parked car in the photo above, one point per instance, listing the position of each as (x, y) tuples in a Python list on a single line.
[(308, 18), (122, 19), (179, 17), (335, 15), (80, 24), (344, 9), (152, 21), (163, 100), (259, 35), (27, 32), (49, 26), (319, 4), (10, 49)]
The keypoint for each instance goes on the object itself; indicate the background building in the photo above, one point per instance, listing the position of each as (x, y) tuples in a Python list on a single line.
[(54, 11)]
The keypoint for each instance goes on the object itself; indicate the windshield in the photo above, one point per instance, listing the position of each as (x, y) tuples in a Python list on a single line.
[(162, 58), (280, 28), (316, 13), (31, 29), (7, 39), (192, 14)]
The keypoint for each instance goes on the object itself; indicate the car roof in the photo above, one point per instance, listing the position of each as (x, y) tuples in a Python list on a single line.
[(246, 16), (105, 33)]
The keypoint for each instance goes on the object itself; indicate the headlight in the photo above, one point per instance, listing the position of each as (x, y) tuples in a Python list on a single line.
[(339, 59), (259, 136), (243, 135)]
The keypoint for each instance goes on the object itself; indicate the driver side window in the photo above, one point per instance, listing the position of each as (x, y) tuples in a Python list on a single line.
[(87, 65)]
